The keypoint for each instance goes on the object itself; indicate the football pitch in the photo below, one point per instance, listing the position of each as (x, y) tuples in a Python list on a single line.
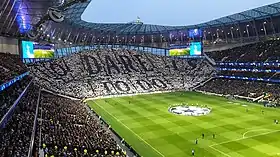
[(241, 129)]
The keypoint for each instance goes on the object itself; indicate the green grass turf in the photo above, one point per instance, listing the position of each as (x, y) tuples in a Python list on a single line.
[(152, 131)]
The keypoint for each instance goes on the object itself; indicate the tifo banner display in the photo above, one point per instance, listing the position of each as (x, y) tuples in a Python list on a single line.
[(37, 50)]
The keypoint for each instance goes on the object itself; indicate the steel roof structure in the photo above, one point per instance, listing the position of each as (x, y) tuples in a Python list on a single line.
[(74, 13), (19, 16)]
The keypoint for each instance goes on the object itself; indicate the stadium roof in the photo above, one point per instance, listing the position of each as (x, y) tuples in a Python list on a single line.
[(19, 16), (74, 13)]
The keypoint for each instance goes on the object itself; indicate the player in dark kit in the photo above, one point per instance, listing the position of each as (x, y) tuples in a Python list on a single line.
[(214, 136), (192, 152), (202, 136), (196, 141)]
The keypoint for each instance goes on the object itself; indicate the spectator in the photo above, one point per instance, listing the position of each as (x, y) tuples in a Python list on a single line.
[(68, 128), (118, 71), (10, 67)]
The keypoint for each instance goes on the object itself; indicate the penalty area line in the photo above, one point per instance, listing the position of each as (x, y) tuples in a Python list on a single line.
[(129, 129), (255, 130), (239, 139)]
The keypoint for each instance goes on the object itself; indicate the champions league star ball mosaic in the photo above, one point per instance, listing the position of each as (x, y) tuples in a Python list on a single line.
[(189, 110)]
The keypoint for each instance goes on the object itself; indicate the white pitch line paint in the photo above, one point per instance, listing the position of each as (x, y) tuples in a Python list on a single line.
[(255, 130), (270, 132), (220, 151), (129, 129), (265, 133)]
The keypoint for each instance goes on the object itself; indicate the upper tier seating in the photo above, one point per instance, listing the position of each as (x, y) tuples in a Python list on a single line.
[(10, 67), (261, 52)]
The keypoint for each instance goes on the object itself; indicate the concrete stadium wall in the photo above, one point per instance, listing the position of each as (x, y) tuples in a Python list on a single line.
[(9, 45)]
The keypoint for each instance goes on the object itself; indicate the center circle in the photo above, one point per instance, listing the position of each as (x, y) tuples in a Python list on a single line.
[(186, 110)]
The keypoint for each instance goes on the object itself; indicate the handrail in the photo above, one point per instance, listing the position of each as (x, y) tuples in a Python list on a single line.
[(5, 118), (34, 126), (12, 81)]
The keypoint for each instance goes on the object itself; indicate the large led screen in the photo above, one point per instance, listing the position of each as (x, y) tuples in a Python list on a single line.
[(195, 33), (193, 49), (196, 48), (37, 50), (179, 52)]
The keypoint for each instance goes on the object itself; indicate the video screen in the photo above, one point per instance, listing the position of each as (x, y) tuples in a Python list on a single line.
[(179, 52), (193, 49), (196, 48), (37, 50), (195, 33)]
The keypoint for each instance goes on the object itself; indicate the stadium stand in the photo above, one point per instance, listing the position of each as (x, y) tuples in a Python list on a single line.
[(9, 96), (16, 135), (244, 88), (68, 129), (260, 51), (259, 60), (267, 75), (119, 71), (49, 123), (10, 67)]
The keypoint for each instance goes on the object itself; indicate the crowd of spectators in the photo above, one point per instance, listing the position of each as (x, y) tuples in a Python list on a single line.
[(244, 88), (10, 95), (259, 60), (66, 128), (15, 137), (119, 71), (261, 75), (10, 66), (261, 52), (69, 130)]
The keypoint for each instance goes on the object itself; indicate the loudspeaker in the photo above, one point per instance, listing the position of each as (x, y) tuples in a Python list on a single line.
[(55, 15)]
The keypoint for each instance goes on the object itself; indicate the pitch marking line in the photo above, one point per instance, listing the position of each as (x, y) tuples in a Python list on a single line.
[(253, 131), (220, 151), (129, 129), (266, 133)]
